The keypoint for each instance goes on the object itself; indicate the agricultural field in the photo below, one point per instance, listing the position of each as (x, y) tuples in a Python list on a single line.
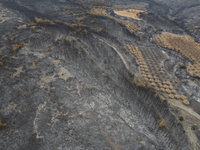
[(131, 13), (152, 70), (185, 45), (131, 27)]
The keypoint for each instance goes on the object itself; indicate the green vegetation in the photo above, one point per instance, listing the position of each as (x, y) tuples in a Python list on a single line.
[(181, 118)]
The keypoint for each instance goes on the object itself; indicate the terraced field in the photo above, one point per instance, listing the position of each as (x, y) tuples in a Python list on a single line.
[(183, 44), (151, 66), (131, 27)]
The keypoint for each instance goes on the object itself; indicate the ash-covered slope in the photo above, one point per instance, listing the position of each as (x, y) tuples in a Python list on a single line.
[(68, 79)]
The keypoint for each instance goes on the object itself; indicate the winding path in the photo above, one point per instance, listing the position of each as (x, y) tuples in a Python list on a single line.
[(120, 55)]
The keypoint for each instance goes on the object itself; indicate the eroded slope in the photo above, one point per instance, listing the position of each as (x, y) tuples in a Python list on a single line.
[(77, 76)]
